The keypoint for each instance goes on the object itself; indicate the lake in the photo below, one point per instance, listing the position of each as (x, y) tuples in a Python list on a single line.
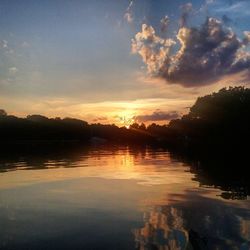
[(119, 198)]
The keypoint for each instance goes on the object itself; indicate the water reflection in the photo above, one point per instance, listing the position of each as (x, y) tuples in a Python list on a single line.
[(197, 223), (163, 229), (230, 175), (121, 198)]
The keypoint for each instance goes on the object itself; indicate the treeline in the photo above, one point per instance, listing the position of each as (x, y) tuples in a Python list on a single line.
[(41, 128), (219, 120)]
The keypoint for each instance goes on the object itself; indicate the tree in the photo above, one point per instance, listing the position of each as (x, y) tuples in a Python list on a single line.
[(3, 112), (219, 120)]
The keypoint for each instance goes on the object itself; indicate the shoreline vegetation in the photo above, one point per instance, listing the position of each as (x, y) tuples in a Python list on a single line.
[(215, 123)]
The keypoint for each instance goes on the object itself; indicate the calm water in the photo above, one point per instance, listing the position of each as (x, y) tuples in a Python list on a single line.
[(118, 198)]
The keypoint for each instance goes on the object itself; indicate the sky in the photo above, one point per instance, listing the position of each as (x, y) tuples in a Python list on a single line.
[(119, 61)]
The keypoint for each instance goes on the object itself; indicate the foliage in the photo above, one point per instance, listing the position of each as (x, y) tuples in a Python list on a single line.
[(216, 121)]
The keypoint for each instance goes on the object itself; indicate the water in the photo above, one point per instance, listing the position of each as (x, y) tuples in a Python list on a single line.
[(118, 198)]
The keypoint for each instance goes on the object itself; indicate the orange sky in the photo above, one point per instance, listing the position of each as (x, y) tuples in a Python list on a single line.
[(113, 62)]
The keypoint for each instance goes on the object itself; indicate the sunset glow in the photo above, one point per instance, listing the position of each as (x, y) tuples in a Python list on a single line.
[(124, 124), (127, 120), (107, 62)]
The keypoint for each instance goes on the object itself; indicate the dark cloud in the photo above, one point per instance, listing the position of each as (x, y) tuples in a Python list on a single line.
[(157, 116), (246, 39), (226, 20), (205, 54)]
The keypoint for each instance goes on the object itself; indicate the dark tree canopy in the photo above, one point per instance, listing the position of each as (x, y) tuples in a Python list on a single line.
[(3, 112), (219, 120), (226, 104)]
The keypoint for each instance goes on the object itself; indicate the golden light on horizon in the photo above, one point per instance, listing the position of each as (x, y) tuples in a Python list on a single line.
[(127, 120)]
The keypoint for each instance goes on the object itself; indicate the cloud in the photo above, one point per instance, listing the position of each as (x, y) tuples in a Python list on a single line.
[(100, 119), (187, 9), (164, 24), (13, 70), (154, 50), (246, 39), (4, 44), (128, 16), (157, 116), (25, 44), (237, 8), (226, 20), (205, 54), (205, 7)]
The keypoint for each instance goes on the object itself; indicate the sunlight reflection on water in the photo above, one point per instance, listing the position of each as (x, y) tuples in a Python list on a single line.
[(115, 198)]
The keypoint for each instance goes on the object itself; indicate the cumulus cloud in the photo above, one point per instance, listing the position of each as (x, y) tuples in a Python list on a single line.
[(205, 54), (164, 24), (153, 49), (246, 39), (157, 116)]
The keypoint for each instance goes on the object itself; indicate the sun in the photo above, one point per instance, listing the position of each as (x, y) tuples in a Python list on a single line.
[(127, 120)]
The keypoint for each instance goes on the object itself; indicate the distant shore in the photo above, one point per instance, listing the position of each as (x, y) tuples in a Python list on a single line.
[(219, 122)]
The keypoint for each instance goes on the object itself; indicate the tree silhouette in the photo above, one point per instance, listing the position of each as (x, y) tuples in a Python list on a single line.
[(217, 121), (220, 119), (3, 112)]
